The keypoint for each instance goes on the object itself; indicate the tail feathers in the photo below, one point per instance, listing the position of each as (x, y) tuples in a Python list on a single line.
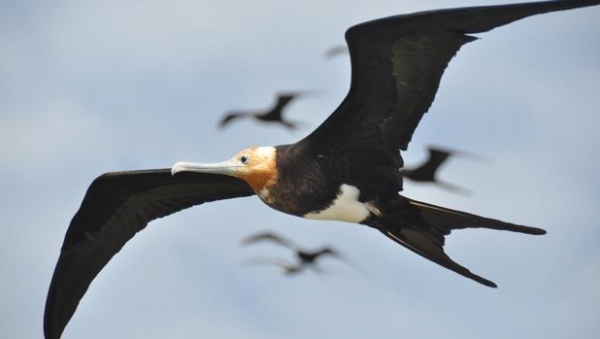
[(423, 230), (425, 246), (444, 220)]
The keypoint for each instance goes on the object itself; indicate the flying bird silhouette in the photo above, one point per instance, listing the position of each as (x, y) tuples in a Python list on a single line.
[(428, 170), (271, 115), (345, 170), (304, 257)]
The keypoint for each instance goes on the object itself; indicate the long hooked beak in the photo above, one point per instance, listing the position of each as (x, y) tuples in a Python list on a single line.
[(226, 167)]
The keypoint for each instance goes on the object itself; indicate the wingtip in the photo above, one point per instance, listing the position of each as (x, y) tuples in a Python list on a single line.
[(479, 279), (489, 283), (533, 230), (51, 332), (50, 322)]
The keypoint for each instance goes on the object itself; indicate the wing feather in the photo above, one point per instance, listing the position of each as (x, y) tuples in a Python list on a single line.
[(397, 64), (116, 206)]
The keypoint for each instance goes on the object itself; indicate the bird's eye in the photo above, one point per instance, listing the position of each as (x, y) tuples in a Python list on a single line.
[(244, 159)]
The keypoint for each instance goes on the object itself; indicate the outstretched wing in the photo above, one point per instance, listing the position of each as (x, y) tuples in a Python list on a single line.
[(283, 99), (269, 236), (312, 256), (427, 170), (229, 117), (397, 64), (117, 206)]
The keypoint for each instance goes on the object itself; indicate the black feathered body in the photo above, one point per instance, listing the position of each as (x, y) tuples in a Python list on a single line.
[(310, 181), (397, 63)]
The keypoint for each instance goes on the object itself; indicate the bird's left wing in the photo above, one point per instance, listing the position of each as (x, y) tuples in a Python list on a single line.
[(230, 116), (397, 63), (116, 206)]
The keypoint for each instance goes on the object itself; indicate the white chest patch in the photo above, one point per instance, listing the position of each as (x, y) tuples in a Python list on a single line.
[(345, 207)]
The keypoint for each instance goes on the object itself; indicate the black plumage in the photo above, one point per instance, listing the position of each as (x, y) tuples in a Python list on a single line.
[(305, 257), (397, 64), (116, 206), (428, 170), (274, 114)]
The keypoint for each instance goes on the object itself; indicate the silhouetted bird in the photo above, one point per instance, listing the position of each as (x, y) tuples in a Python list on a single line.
[(305, 257), (272, 115), (347, 169), (428, 170)]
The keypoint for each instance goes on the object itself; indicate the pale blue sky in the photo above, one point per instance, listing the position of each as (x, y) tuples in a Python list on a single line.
[(90, 87)]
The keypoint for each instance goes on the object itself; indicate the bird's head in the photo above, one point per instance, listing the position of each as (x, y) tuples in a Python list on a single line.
[(256, 166)]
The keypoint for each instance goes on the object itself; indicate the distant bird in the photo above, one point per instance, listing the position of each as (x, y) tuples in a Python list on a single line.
[(305, 257), (271, 115), (335, 51), (346, 170), (428, 170)]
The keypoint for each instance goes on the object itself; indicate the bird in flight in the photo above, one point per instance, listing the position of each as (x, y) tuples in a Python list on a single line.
[(305, 258), (271, 115), (428, 170), (346, 170)]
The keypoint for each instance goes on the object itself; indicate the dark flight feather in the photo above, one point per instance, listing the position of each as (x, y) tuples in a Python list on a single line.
[(427, 170), (429, 241), (116, 206), (269, 236), (273, 114), (397, 64)]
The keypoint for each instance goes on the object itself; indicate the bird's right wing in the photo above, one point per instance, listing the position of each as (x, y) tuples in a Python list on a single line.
[(116, 206)]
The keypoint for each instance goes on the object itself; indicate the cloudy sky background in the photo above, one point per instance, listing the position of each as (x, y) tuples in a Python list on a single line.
[(91, 87)]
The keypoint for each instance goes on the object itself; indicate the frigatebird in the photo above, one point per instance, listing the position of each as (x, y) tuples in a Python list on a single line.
[(271, 115), (428, 170), (304, 257), (345, 170)]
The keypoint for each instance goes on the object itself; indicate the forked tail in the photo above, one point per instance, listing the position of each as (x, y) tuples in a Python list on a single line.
[(422, 229), (446, 219)]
